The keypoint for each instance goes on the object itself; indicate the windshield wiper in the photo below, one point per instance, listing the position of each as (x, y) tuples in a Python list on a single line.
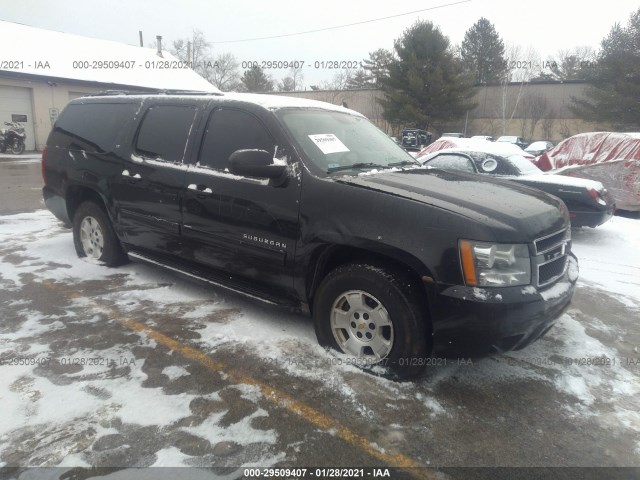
[(403, 163), (354, 166)]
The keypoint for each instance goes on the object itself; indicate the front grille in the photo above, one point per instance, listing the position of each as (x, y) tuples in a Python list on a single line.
[(548, 272), (547, 243), (551, 257)]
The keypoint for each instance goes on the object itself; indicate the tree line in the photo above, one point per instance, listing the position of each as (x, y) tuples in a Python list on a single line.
[(427, 80)]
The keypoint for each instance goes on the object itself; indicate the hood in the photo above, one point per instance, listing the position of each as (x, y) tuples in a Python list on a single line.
[(521, 213)]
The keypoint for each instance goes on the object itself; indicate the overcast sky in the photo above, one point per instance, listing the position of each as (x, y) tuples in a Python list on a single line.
[(545, 25)]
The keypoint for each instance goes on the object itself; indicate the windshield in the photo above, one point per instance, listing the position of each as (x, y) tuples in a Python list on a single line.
[(523, 165), (336, 141)]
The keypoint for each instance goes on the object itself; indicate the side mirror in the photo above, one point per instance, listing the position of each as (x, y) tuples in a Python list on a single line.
[(255, 163)]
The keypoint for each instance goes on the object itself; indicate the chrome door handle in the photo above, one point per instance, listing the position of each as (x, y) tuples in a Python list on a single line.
[(126, 173), (199, 188)]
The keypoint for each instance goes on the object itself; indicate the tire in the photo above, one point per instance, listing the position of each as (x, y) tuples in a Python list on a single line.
[(385, 330), (93, 236), (17, 148)]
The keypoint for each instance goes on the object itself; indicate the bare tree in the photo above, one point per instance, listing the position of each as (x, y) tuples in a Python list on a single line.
[(534, 108), (222, 71), (297, 76), (571, 64), (512, 94), (293, 81), (225, 74), (339, 82), (564, 129), (195, 51), (547, 124)]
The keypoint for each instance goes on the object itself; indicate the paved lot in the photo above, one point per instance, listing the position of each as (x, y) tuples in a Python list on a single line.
[(136, 367)]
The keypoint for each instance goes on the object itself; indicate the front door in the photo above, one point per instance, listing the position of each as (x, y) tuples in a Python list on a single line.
[(245, 227)]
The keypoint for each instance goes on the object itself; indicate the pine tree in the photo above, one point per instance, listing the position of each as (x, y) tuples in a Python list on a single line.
[(426, 82), (482, 52), (255, 80), (377, 65), (615, 79), (359, 80)]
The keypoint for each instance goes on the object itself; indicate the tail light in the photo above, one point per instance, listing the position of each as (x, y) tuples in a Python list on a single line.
[(43, 163), (596, 196)]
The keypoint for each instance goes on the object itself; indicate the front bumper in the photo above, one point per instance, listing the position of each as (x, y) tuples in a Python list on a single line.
[(475, 322)]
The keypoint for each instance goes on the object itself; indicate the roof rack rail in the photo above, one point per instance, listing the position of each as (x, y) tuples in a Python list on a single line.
[(151, 92)]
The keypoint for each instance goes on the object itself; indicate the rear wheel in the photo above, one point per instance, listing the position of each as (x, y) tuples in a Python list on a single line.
[(376, 316), (94, 237), (17, 148)]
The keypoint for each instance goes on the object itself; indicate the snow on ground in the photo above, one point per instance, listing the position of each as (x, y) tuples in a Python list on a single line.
[(610, 257), (35, 248)]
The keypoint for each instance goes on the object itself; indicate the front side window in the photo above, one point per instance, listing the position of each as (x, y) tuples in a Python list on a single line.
[(164, 132), (230, 130)]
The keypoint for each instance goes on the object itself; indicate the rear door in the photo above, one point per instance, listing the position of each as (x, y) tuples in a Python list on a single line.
[(149, 186), (245, 227)]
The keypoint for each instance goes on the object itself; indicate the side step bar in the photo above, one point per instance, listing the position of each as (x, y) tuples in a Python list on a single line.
[(204, 277)]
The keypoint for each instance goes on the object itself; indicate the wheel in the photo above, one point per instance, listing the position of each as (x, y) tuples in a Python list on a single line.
[(376, 316), (17, 148), (94, 237)]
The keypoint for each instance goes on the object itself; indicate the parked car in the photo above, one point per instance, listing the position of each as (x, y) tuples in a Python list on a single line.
[(519, 141), (609, 157), (589, 203), (488, 138), (504, 149), (414, 139), (538, 148), (309, 206)]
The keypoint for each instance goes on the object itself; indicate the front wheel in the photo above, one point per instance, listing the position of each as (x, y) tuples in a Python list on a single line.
[(93, 236), (17, 148), (374, 315)]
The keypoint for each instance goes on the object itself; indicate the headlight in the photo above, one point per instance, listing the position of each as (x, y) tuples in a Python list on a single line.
[(495, 264)]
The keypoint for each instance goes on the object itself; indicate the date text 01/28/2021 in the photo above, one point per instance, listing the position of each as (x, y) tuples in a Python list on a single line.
[(325, 472)]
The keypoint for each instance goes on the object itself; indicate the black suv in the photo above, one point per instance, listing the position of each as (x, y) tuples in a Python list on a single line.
[(308, 205)]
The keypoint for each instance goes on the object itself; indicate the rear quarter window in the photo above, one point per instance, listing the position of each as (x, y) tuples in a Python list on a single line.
[(93, 127)]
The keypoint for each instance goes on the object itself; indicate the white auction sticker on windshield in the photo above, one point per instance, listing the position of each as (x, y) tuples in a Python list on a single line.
[(328, 143)]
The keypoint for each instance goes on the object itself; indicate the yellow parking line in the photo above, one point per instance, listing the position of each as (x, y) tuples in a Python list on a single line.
[(272, 394)]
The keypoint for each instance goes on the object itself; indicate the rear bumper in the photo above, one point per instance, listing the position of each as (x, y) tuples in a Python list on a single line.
[(475, 322), (56, 205), (591, 219)]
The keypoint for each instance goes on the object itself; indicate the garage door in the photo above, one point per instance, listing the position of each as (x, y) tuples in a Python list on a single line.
[(15, 105)]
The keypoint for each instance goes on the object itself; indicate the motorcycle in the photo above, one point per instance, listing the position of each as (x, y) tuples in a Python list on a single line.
[(12, 138)]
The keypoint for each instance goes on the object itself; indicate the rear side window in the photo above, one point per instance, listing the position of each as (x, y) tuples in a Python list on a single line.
[(93, 127), (164, 132), (451, 161), (231, 130)]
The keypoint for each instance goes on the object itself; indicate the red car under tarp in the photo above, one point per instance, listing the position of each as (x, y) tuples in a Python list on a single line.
[(608, 157)]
